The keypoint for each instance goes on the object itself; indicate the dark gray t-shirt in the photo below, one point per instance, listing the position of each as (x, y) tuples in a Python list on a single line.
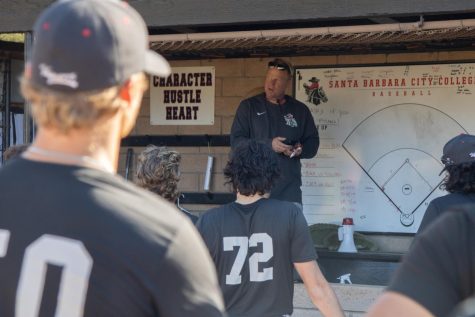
[(448, 203), (81, 242), (254, 247), (439, 270)]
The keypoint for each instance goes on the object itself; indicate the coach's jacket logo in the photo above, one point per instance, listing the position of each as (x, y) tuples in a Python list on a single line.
[(290, 120)]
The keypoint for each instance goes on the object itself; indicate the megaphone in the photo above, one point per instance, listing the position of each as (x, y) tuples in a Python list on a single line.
[(345, 234)]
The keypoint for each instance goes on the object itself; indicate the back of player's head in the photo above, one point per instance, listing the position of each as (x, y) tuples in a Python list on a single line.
[(458, 150), (85, 45), (158, 171), (460, 178), (459, 161), (252, 168), (83, 49)]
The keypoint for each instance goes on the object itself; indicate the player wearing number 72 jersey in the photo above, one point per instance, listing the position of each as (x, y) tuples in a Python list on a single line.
[(255, 241)]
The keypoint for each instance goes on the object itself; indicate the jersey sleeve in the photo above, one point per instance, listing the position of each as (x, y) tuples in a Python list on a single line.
[(437, 266), (190, 278), (302, 247), (208, 233)]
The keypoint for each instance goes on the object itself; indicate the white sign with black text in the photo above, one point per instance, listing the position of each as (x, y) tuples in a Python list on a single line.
[(186, 97)]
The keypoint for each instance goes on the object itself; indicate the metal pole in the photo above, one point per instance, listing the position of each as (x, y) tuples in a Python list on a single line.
[(7, 99), (2, 109), (128, 162), (28, 124)]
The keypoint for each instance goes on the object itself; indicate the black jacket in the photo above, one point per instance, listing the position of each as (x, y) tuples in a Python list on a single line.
[(258, 119)]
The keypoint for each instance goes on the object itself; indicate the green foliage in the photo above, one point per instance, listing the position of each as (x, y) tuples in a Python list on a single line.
[(12, 37)]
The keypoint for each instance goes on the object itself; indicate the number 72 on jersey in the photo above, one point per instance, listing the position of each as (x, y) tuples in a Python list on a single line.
[(244, 243)]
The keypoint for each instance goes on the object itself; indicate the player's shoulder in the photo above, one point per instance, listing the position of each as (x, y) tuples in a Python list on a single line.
[(453, 199), (216, 213), (285, 204), (150, 217), (461, 219), (144, 201), (120, 206), (438, 201), (127, 203), (450, 226), (280, 207), (213, 219), (13, 166)]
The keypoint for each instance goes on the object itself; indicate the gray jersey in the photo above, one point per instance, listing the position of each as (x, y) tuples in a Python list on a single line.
[(81, 242), (254, 247), (438, 272)]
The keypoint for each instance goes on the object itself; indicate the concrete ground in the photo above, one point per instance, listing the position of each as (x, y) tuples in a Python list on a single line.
[(355, 299)]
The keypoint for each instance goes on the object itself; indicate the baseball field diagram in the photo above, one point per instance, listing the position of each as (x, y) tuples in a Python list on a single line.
[(402, 167), (382, 129)]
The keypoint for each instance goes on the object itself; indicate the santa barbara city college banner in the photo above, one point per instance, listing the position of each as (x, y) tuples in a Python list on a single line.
[(186, 97)]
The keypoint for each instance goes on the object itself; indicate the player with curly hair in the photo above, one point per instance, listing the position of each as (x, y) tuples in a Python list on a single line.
[(459, 163), (255, 241), (158, 170)]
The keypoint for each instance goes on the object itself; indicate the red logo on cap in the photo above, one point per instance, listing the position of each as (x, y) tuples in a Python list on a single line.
[(45, 26), (348, 221), (86, 32)]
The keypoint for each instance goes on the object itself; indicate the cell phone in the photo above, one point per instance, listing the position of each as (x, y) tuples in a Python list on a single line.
[(289, 142)]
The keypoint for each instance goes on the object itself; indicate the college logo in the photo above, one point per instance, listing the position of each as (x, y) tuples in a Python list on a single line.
[(314, 92), (290, 120)]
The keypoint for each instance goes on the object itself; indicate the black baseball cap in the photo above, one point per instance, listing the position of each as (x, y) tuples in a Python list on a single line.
[(460, 149), (84, 45)]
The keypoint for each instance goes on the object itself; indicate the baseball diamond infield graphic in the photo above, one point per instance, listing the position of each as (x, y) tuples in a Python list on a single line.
[(398, 148)]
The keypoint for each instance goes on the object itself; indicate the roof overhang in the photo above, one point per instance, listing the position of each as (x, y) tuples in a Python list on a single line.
[(288, 27), (305, 40)]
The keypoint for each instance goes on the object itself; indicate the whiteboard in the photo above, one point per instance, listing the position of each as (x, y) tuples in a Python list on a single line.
[(382, 130)]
